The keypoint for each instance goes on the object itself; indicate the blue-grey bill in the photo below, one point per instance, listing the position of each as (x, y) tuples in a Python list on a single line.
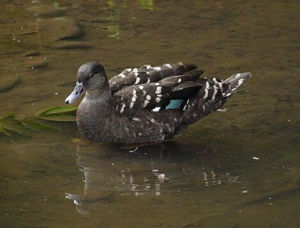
[(76, 94)]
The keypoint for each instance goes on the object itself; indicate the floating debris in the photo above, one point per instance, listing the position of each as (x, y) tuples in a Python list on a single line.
[(244, 191), (162, 177)]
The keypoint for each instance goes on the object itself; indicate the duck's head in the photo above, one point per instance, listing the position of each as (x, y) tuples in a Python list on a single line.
[(90, 76)]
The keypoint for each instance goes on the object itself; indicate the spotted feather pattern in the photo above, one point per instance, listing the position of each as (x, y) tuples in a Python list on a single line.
[(155, 96), (147, 74), (146, 96), (147, 91)]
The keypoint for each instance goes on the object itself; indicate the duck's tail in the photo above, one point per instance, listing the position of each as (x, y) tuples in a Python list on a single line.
[(212, 96), (234, 82)]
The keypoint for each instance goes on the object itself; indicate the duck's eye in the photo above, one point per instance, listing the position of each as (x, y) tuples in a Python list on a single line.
[(90, 76)]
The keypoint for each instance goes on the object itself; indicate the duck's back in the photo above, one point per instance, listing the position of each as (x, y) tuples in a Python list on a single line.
[(154, 103)]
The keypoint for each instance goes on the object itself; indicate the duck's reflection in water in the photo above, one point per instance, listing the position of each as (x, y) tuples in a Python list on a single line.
[(155, 170)]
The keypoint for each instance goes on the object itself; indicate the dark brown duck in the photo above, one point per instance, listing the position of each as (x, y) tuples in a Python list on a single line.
[(146, 104)]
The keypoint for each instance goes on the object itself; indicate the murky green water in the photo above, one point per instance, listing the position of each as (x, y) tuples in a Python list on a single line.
[(238, 168)]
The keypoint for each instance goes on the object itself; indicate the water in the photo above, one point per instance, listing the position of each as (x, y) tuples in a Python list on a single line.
[(238, 168)]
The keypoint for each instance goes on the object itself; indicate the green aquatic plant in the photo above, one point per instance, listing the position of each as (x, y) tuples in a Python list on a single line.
[(4, 131), (147, 4), (111, 15), (114, 30), (12, 124), (58, 114)]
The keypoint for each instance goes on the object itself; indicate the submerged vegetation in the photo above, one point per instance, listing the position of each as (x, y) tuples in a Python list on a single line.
[(58, 114), (13, 124)]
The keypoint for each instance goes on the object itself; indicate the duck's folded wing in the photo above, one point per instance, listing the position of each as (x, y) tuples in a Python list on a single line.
[(147, 74), (169, 93)]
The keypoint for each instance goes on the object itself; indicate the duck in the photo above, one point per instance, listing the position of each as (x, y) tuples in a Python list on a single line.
[(147, 104)]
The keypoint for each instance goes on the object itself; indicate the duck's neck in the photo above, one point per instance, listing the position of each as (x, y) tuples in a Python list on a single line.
[(99, 95), (97, 101), (95, 112)]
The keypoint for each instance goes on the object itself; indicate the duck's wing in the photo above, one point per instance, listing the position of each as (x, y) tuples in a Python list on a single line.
[(171, 92), (147, 74)]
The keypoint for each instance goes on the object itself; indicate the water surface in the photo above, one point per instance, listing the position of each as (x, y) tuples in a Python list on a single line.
[(238, 168)]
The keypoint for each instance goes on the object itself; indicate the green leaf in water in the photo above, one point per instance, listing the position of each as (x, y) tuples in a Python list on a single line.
[(57, 110), (4, 131), (114, 29), (59, 118), (59, 114), (36, 126), (147, 4), (111, 3), (10, 123)]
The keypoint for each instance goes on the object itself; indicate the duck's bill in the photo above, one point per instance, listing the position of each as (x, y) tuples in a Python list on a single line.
[(76, 94)]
